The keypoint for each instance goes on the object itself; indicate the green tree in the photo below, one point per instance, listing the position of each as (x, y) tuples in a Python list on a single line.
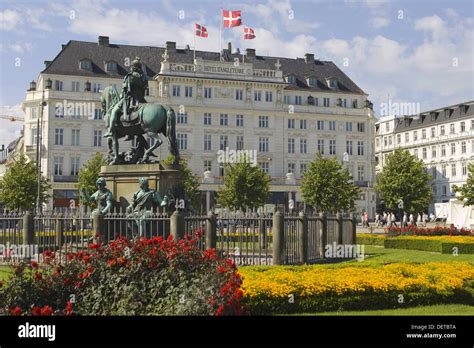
[(404, 178), (245, 187), (328, 186), (466, 191), (19, 185), (88, 175), (191, 182)]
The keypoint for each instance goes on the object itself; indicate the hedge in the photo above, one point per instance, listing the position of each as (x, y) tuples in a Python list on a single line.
[(435, 244), (370, 239)]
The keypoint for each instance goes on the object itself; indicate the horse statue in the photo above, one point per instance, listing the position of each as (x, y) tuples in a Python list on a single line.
[(150, 118)]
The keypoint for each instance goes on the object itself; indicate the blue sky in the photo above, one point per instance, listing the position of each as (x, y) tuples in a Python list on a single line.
[(417, 51)]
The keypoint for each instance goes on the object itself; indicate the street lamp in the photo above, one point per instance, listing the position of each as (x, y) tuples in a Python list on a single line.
[(39, 124)]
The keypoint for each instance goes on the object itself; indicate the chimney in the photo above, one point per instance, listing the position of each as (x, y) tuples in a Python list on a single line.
[(250, 52), (46, 63), (229, 47), (104, 41), (309, 58), (170, 46), (62, 46)]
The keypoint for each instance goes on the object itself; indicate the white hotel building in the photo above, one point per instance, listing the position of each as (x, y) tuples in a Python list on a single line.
[(285, 109), (443, 139)]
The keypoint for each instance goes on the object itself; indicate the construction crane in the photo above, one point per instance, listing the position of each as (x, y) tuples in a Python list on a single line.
[(12, 118)]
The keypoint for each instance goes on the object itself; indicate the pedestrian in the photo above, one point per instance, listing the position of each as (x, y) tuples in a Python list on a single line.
[(418, 220), (412, 219), (377, 219), (424, 219), (393, 219), (384, 219), (405, 220), (366, 219), (389, 220), (432, 217)]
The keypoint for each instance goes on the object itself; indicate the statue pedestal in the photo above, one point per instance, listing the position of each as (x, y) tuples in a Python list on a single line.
[(122, 180)]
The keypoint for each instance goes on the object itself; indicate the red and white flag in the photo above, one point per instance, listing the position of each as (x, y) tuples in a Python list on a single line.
[(232, 18), (249, 34), (201, 30)]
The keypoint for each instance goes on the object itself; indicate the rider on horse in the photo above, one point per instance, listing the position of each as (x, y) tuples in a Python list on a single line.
[(133, 94)]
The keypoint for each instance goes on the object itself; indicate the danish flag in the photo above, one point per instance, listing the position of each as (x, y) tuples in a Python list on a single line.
[(201, 31), (232, 18), (249, 34)]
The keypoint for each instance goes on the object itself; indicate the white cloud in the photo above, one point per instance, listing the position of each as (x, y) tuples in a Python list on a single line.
[(9, 130), (433, 25), (9, 19), (21, 47), (379, 22)]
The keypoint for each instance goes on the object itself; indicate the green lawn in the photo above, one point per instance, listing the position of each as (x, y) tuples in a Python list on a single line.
[(448, 309)]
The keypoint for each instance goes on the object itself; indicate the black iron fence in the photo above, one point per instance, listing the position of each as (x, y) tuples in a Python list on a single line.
[(246, 238)]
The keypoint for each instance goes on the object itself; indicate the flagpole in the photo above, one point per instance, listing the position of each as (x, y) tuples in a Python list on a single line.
[(221, 33), (194, 55)]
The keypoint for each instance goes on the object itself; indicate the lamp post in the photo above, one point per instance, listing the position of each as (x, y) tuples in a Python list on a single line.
[(38, 146)]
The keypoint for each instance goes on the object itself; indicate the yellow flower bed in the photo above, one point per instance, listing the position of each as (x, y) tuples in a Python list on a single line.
[(310, 285)]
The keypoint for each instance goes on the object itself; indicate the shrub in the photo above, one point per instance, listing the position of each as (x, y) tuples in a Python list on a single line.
[(141, 277), (442, 244), (413, 230), (370, 239)]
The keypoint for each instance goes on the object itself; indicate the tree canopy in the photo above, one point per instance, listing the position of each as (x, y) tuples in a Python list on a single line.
[(466, 191)]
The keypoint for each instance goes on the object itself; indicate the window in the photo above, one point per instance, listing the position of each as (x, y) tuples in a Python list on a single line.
[(97, 114), (444, 190), (207, 142), (58, 165), (97, 138), (263, 144), (257, 95), (360, 172), (377, 142), (464, 168), (58, 136), (407, 138), (303, 146), (303, 124), (207, 118), (239, 94), (390, 140), (34, 136), (321, 146), (208, 166), (415, 153), (263, 121), (303, 167), (344, 103), (415, 136), (85, 64), (472, 124), (75, 166), (239, 120), (320, 125), (441, 130), (268, 96), (224, 141), (424, 153), (463, 126), (433, 132), (286, 99), (111, 66), (239, 144), (423, 134), (434, 172), (224, 120), (312, 81), (75, 136), (291, 123), (443, 170), (291, 167), (264, 167), (451, 128), (182, 141), (354, 103), (59, 111), (433, 151), (332, 147), (443, 150), (75, 86), (34, 113), (360, 148), (463, 147), (58, 85), (176, 91), (298, 100), (291, 79), (348, 126), (453, 148), (453, 170), (182, 118), (326, 102), (207, 92), (188, 91), (291, 145), (349, 147), (332, 125), (96, 87)]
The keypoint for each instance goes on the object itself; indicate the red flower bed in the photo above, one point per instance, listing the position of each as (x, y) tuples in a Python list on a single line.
[(413, 230)]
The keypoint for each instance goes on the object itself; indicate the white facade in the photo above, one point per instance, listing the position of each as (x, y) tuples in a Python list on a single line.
[(217, 107)]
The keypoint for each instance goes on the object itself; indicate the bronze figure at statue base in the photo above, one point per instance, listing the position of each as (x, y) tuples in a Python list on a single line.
[(123, 181)]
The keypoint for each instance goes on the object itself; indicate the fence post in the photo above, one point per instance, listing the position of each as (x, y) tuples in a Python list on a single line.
[(98, 227), (340, 229), (323, 232), (278, 239), (28, 231), (353, 228), (262, 232), (211, 231), (177, 225), (58, 232), (303, 237)]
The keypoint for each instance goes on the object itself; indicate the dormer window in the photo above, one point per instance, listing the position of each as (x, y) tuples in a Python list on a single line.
[(85, 64), (291, 79), (332, 82), (111, 67), (312, 81)]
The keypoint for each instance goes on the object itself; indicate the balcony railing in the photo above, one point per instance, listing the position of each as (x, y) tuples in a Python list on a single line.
[(65, 178)]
